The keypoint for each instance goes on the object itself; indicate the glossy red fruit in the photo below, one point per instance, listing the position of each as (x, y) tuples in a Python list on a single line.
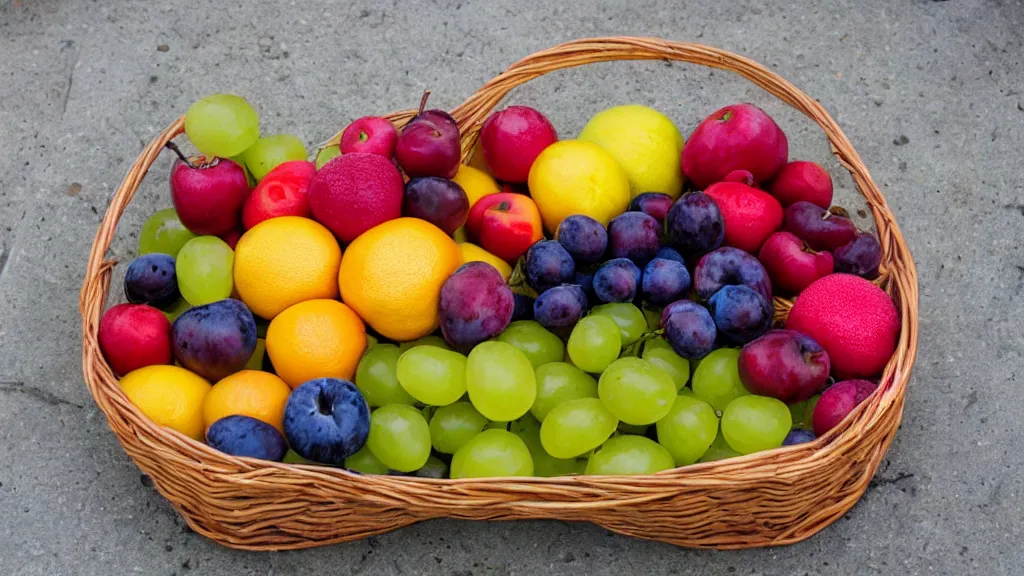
[(791, 263), (371, 135), (838, 401), (821, 229), (785, 365), (800, 180), (134, 335), (750, 215), (231, 238), (742, 177), (284, 191), (208, 197), (738, 137), (355, 192), (505, 224), (512, 139), (429, 145)]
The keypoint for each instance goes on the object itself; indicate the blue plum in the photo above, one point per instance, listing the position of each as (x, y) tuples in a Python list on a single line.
[(798, 436), (664, 281), (861, 256), (246, 436), (617, 281), (689, 329), (695, 225), (326, 420), (560, 308), (730, 266), (523, 307), (214, 340), (584, 238), (654, 204), (548, 264), (741, 313), (151, 279), (670, 254), (634, 235)]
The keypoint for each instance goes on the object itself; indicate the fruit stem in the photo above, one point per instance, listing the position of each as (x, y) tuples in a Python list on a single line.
[(423, 101), (518, 277), (635, 348), (174, 148)]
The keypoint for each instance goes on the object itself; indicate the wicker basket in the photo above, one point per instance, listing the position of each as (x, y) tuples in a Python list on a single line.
[(770, 498)]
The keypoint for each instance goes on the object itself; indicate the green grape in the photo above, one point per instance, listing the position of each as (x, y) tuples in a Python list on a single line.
[(576, 427), (256, 360), (500, 381), (428, 340), (428, 412), (327, 154), (629, 455), (594, 343), (719, 450), (716, 380), (497, 425), (631, 429), (636, 391), (163, 233), (377, 377), (365, 462), (177, 309), (558, 382), (371, 341), (803, 412), (204, 267), (653, 317), (688, 429), (544, 465), (240, 160), (269, 152), (434, 468), (532, 339), (291, 457), (754, 423), (660, 353), (261, 327), (492, 454), (454, 425), (630, 320), (432, 375), (399, 437), (222, 125)]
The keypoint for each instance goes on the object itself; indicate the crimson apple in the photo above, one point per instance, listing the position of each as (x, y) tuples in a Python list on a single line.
[(283, 191), (838, 401), (370, 134), (785, 365), (134, 335), (429, 145), (738, 137), (208, 196), (505, 224), (512, 139), (750, 215), (791, 263), (801, 180)]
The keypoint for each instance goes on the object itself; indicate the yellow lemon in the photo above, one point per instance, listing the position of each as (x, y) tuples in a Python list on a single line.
[(169, 396), (315, 339), (576, 177), (476, 183), (474, 253), (253, 393)]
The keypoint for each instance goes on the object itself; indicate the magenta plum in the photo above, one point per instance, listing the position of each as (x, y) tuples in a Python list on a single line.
[(440, 201), (861, 256), (695, 225), (215, 340), (821, 229), (634, 235), (785, 365), (791, 263), (738, 137), (839, 400), (429, 145), (476, 305), (725, 266), (802, 181), (654, 204)]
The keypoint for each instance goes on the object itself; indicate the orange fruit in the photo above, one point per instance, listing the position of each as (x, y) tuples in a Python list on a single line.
[(253, 393), (284, 261), (315, 339), (391, 276), (169, 396)]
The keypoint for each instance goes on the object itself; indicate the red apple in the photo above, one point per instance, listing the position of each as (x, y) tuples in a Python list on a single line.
[(282, 192), (739, 137), (791, 263), (838, 401), (512, 139), (784, 364), (505, 224), (750, 215), (134, 335), (208, 196), (370, 134), (429, 145), (801, 180)]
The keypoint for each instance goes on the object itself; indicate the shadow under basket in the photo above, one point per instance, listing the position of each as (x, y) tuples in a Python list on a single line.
[(769, 498)]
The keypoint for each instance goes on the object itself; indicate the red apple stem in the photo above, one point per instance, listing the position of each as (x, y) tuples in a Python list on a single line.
[(423, 101), (174, 148)]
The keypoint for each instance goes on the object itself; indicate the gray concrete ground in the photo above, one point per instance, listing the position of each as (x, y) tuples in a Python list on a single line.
[(929, 92)]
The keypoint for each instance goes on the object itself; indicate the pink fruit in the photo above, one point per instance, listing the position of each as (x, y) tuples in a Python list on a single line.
[(742, 177), (750, 215), (208, 197), (284, 191), (370, 134), (512, 139), (800, 180), (476, 305), (355, 192), (429, 145), (838, 401), (791, 263), (784, 364), (821, 229), (134, 335), (739, 137)]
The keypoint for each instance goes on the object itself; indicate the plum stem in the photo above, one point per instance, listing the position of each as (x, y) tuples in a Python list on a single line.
[(423, 101), (174, 148)]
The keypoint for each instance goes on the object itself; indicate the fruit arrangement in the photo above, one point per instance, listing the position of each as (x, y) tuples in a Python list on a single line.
[(597, 305)]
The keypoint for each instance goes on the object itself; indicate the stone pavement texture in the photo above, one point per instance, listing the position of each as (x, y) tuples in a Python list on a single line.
[(929, 93)]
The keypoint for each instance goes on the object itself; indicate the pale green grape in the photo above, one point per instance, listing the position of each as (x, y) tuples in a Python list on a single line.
[(326, 155), (803, 412), (754, 423), (716, 380), (631, 429), (454, 425), (399, 437), (544, 465), (629, 455), (428, 340), (636, 391), (256, 360), (428, 412), (204, 269), (371, 341), (377, 377), (500, 381), (558, 382), (432, 375), (653, 317), (719, 450), (163, 233), (594, 343), (532, 339), (177, 309), (492, 453), (269, 152), (576, 427), (222, 125), (630, 320), (434, 468), (291, 457), (365, 462), (240, 160), (496, 425), (688, 429), (658, 352)]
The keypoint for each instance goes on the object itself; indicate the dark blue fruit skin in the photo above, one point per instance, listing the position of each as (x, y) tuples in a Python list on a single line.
[(694, 225), (617, 281), (584, 238), (214, 340), (634, 235), (689, 329), (523, 309), (326, 420), (548, 264), (664, 281), (670, 254), (741, 314), (861, 256), (151, 279), (585, 280), (798, 436), (730, 266), (246, 436), (476, 305), (655, 204), (560, 308)]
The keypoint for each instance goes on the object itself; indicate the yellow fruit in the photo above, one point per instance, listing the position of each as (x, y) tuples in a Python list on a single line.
[(474, 253), (574, 177), (169, 396), (284, 261), (259, 395), (645, 143), (315, 339), (391, 275), (477, 160), (476, 183)]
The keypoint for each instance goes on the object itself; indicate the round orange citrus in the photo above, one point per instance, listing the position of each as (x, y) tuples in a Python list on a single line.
[(391, 276), (315, 339), (284, 261), (253, 393)]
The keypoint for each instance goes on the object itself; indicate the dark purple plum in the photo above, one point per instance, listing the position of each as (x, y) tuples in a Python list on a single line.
[(798, 436), (694, 225), (326, 420), (584, 238), (440, 201), (476, 305), (670, 254), (523, 309), (784, 364), (246, 436), (689, 329), (617, 280), (151, 279), (585, 280), (634, 235), (560, 308), (861, 256), (214, 340), (728, 266), (741, 314), (664, 281), (654, 204), (548, 264), (821, 229)]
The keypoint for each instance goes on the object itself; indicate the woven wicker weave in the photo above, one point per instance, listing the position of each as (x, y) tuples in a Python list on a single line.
[(771, 498)]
